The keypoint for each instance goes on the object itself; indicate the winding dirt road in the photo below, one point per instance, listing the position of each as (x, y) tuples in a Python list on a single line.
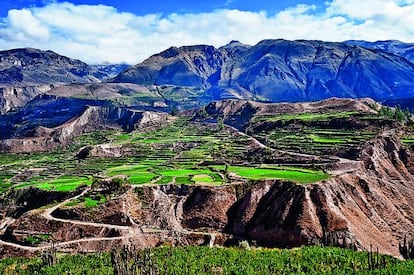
[(126, 231)]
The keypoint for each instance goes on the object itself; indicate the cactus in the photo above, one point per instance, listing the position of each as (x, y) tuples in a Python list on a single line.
[(131, 260)]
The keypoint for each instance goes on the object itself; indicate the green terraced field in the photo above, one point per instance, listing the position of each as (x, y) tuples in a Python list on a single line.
[(317, 133), (173, 154), (408, 139), (92, 202), (304, 117), (283, 173), (62, 183), (315, 141)]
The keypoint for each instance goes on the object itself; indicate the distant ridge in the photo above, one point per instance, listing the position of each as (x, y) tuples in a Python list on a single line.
[(26, 73)]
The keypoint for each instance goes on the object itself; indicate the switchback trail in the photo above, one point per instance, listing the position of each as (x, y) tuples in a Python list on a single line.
[(127, 232)]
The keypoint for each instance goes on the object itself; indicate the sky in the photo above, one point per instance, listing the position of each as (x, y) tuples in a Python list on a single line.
[(110, 31)]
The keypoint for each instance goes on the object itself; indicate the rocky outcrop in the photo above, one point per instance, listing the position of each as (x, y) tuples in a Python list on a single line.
[(14, 97), (279, 71)]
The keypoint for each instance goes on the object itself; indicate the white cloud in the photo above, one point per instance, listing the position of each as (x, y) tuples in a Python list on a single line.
[(103, 34), (26, 25)]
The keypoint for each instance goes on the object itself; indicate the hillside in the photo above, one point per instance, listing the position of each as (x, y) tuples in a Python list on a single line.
[(151, 159), (279, 70), (336, 172)]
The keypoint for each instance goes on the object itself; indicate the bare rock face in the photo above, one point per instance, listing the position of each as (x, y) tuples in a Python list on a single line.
[(207, 208), (12, 97)]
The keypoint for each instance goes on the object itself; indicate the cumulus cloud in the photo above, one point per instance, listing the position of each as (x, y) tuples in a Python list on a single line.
[(99, 33), (26, 26)]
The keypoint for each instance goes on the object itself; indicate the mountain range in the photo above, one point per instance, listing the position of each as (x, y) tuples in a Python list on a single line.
[(192, 76), (281, 70)]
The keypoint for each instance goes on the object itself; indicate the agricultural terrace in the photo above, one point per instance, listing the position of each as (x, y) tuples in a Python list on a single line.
[(316, 133), (181, 153)]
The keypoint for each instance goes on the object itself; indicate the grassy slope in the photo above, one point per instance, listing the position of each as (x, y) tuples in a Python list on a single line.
[(204, 260)]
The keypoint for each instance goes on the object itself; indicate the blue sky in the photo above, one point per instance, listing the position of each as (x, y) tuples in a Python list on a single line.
[(168, 6), (98, 31)]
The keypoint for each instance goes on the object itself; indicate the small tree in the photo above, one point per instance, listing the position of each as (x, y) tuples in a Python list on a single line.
[(220, 123)]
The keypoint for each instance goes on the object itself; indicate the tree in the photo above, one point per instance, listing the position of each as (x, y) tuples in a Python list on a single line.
[(220, 123)]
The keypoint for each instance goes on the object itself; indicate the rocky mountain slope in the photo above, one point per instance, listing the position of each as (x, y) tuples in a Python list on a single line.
[(26, 73), (279, 70), (32, 67), (191, 76)]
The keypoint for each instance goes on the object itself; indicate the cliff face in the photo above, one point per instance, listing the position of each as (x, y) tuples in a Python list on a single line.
[(12, 97), (280, 70)]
